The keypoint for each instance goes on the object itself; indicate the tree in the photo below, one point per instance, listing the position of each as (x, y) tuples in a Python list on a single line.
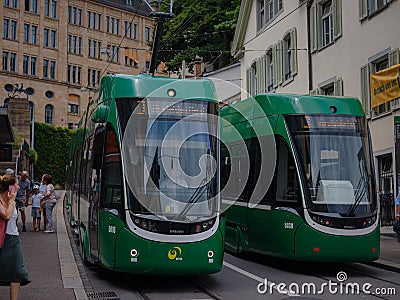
[(199, 29)]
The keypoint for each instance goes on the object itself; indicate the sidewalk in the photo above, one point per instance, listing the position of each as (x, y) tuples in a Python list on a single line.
[(50, 262), (390, 250)]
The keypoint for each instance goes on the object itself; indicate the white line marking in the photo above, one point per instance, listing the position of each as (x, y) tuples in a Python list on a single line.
[(256, 278)]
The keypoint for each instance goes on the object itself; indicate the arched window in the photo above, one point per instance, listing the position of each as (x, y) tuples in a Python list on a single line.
[(48, 114), (31, 111)]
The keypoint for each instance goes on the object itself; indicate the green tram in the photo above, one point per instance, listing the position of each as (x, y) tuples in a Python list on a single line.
[(320, 203), (134, 190)]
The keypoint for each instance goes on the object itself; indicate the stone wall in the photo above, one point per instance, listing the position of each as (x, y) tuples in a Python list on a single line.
[(20, 120)]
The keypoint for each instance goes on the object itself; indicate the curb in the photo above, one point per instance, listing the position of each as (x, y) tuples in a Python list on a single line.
[(69, 270)]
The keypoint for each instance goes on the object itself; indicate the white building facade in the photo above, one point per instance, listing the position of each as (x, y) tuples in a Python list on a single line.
[(327, 47)]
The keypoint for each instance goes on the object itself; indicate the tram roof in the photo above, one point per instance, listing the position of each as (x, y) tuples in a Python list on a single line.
[(141, 86), (275, 104)]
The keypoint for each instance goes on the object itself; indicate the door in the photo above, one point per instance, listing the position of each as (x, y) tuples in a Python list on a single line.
[(95, 187)]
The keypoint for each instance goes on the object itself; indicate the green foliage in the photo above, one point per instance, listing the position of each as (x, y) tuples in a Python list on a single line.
[(52, 145), (17, 140), (33, 156), (199, 29)]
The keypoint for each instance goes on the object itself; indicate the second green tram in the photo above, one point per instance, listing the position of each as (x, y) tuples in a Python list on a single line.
[(142, 181), (320, 203)]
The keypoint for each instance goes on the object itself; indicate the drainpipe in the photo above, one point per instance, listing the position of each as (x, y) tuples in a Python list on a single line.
[(310, 72)]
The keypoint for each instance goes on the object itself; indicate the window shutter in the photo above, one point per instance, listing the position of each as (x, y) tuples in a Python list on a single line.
[(337, 18), (313, 28), (262, 74), (365, 102), (338, 87), (293, 38), (394, 58), (248, 81), (275, 64), (279, 61), (314, 92), (362, 9), (258, 75)]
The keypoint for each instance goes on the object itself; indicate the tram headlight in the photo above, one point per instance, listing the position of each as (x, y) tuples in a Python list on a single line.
[(134, 253)]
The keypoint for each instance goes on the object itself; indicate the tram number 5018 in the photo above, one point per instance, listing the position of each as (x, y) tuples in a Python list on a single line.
[(288, 225)]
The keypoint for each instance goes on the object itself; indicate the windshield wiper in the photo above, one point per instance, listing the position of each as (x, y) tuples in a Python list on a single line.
[(193, 199), (361, 190)]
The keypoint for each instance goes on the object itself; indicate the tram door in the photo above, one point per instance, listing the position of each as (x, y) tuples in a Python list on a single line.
[(94, 196), (287, 203)]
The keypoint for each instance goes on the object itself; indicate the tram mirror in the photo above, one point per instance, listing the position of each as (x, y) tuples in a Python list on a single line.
[(100, 115)]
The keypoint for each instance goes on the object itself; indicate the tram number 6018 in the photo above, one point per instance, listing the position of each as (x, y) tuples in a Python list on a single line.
[(288, 225)]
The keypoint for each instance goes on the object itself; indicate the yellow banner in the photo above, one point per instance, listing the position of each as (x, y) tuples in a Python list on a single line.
[(385, 85)]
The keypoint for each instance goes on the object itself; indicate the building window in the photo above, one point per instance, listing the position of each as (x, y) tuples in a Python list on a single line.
[(25, 64), (128, 29), (34, 34), (73, 108), (74, 74), (33, 66), (6, 28), (48, 114), (331, 87), (14, 30), (129, 2), (11, 3), (147, 34), (135, 31), (26, 32), (74, 15), (13, 62), (53, 39), (368, 8), (325, 23), (270, 69), (46, 37), (114, 54), (45, 68), (267, 10), (290, 54), (31, 6), (53, 69), (47, 8), (54, 9), (5, 61), (74, 44), (377, 65)]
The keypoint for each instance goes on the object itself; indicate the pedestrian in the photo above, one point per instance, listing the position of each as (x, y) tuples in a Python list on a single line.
[(23, 196), (49, 200), (42, 192), (36, 208), (9, 172), (12, 269)]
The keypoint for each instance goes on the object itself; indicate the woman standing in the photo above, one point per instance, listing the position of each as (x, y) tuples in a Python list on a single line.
[(49, 200), (13, 272)]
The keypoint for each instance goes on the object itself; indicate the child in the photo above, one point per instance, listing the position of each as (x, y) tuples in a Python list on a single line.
[(36, 208)]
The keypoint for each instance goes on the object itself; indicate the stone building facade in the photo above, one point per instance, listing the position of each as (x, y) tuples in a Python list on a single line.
[(59, 49)]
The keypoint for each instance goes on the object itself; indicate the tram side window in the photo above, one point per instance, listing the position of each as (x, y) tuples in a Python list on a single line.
[(112, 181), (287, 187)]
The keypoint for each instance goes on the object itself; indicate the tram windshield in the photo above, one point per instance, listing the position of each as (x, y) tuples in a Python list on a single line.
[(335, 157), (170, 152)]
